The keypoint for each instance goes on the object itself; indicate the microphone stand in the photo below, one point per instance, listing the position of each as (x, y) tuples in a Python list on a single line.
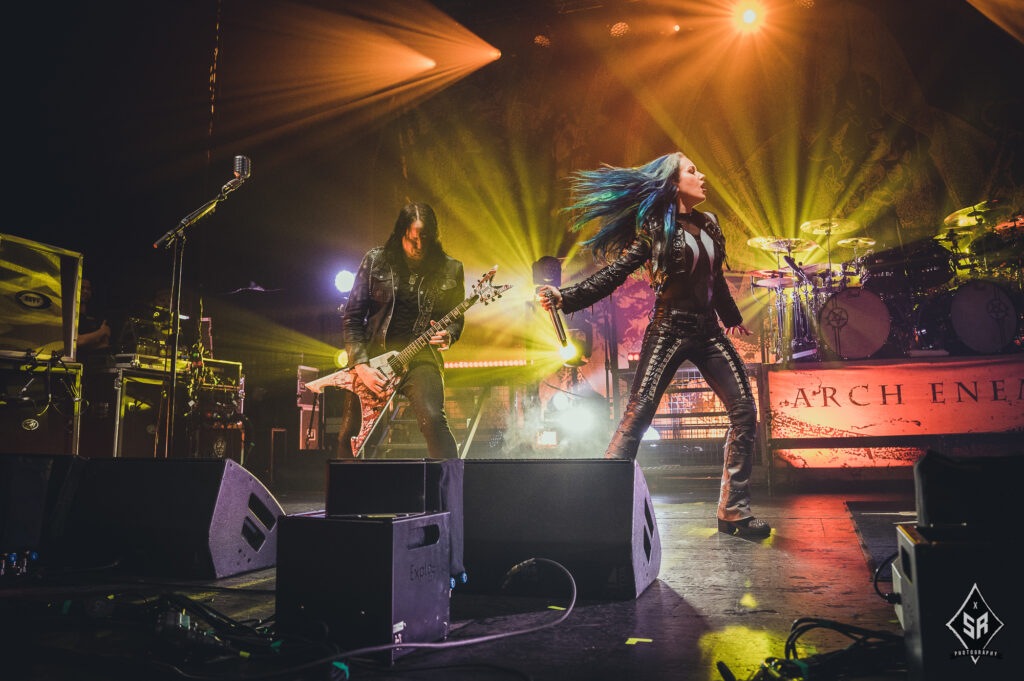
[(176, 237)]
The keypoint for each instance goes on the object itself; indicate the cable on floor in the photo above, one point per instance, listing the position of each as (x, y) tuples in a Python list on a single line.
[(871, 652), (226, 640), (893, 598)]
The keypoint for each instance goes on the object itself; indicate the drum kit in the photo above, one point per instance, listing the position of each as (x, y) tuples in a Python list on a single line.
[(959, 292)]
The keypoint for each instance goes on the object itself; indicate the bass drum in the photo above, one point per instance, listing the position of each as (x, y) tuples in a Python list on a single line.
[(854, 323), (977, 317)]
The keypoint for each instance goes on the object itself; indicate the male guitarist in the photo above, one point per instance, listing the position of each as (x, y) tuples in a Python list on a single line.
[(399, 290)]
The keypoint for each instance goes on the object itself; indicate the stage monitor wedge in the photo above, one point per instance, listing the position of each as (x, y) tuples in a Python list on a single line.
[(178, 518), (595, 517)]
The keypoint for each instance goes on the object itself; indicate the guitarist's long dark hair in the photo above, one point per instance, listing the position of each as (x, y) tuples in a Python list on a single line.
[(410, 213)]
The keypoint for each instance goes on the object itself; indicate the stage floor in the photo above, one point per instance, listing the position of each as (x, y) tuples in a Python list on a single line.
[(718, 599)]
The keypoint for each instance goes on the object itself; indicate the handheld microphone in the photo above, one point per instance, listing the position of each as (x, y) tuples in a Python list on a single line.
[(556, 320), (243, 169)]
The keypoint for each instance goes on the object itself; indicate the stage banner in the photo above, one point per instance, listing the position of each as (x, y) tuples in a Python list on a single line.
[(939, 397)]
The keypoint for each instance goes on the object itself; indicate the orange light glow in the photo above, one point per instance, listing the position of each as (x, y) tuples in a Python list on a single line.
[(330, 65), (748, 17)]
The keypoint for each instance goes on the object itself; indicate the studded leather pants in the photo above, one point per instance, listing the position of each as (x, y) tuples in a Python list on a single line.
[(672, 338)]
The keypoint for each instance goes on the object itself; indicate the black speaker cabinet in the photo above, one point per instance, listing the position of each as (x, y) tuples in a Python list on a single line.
[(959, 492), (400, 486), (959, 604), (364, 581), (367, 486), (39, 409), (959, 601), (185, 518), (593, 516)]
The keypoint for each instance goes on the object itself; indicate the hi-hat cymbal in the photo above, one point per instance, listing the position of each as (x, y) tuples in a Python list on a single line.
[(829, 226), (781, 245), (856, 242), (967, 218)]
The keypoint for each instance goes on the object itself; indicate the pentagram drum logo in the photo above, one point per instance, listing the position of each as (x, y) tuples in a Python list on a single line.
[(975, 624)]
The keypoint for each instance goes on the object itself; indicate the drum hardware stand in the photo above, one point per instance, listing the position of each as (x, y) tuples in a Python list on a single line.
[(803, 346), (771, 327), (774, 327), (954, 248), (785, 352), (176, 237), (919, 342)]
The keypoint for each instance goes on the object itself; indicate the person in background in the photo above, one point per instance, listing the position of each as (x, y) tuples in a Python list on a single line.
[(93, 343), (648, 219)]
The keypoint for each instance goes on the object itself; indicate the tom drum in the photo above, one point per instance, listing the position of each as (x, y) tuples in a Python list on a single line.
[(854, 323), (919, 266)]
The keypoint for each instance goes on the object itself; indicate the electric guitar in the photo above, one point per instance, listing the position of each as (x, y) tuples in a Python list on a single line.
[(394, 363)]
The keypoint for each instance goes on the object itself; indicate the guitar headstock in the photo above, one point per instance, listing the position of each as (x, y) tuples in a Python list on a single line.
[(485, 290)]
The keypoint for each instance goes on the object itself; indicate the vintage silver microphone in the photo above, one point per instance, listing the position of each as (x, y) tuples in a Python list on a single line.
[(243, 169)]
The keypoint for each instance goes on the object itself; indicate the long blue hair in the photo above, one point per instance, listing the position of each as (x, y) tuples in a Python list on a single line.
[(622, 199)]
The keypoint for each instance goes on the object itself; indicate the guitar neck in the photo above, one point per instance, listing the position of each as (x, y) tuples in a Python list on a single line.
[(405, 355)]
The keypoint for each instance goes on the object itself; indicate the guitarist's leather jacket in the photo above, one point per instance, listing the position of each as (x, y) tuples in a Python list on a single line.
[(371, 303)]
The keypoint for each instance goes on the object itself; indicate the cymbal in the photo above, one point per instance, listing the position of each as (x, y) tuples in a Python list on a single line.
[(781, 245), (767, 274), (821, 268), (972, 216), (957, 234), (776, 282), (856, 242), (829, 226)]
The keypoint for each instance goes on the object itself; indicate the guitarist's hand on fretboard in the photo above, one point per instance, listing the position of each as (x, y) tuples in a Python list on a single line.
[(441, 339), (371, 378)]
